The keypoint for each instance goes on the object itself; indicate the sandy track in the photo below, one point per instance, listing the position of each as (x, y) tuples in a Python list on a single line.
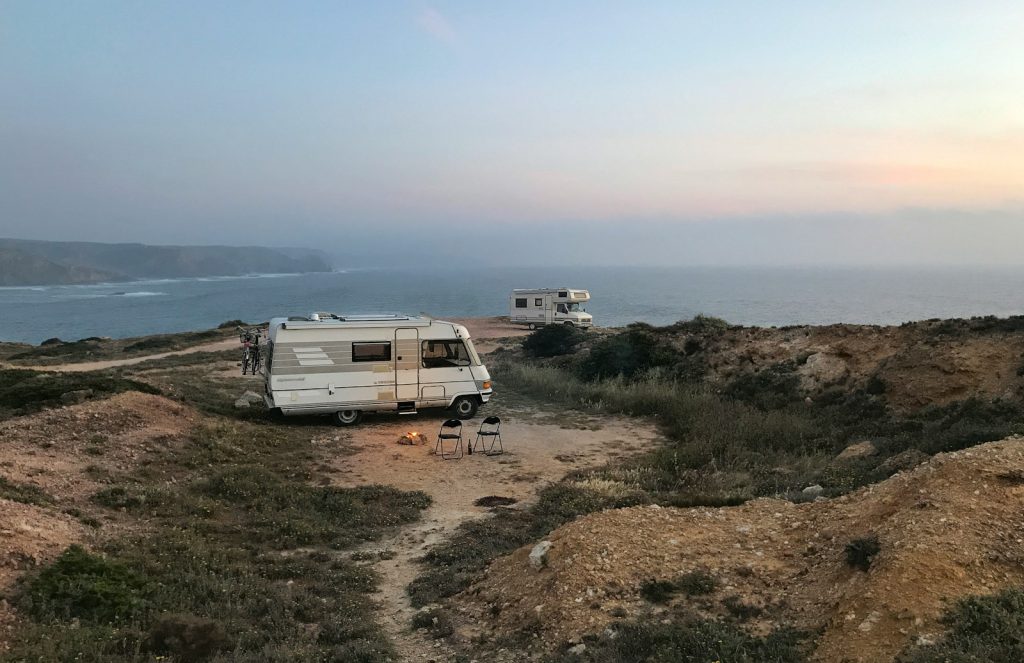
[(537, 452), (79, 367), (480, 328)]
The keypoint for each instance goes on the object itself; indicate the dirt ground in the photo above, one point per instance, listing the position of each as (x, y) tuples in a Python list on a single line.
[(539, 449), (953, 527)]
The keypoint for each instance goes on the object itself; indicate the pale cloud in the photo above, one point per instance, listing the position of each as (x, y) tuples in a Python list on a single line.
[(436, 25)]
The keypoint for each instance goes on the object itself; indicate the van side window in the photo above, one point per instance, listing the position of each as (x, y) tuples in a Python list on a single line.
[(371, 351), (439, 354), (538, 302), (563, 293), (521, 303)]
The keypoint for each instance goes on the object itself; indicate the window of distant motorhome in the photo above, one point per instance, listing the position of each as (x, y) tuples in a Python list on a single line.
[(371, 352), (521, 303), (538, 302), (438, 354), (563, 293), (568, 308)]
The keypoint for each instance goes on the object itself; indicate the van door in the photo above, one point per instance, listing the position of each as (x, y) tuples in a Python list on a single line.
[(407, 363), (549, 310)]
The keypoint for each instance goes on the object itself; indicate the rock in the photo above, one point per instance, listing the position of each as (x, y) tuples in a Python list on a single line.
[(858, 450), (821, 370), (813, 491), (52, 341), (76, 396), (241, 404), (539, 555), (578, 649), (251, 397)]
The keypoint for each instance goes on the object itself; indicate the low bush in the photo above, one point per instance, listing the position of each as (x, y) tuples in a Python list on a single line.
[(658, 591), (697, 583), (25, 391), (23, 492), (861, 552), (981, 628), (187, 638), (80, 585), (629, 354), (771, 388), (654, 641), (437, 623), (553, 341)]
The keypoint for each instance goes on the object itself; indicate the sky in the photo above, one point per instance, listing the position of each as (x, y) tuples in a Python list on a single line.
[(716, 132)]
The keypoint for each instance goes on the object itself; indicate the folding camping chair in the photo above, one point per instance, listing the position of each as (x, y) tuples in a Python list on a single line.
[(456, 451), (489, 429)]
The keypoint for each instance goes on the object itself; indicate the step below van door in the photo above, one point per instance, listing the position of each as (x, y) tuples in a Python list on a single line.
[(407, 364)]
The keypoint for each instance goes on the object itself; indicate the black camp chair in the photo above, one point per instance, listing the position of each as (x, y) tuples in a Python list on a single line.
[(489, 429), (450, 425)]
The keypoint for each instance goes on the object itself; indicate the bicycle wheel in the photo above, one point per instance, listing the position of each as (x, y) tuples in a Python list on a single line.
[(246, 358)]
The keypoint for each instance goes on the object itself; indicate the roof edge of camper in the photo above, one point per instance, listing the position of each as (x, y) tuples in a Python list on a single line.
[(322, 318)]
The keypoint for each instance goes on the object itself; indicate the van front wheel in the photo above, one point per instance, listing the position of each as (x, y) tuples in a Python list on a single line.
[(347, 417), (465, 407)]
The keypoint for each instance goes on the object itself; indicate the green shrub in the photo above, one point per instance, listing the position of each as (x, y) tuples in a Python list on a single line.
[(25, 391), (700, 324), (981, 628), (187, 638), (698, 640), (80, 585), (628, 354), (861, 552), (436, 621), (771, 388), (23, 492), (658, 591), (553, 341), (697, 583)]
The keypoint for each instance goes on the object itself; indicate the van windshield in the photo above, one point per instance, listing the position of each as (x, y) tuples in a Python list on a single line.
[(437, 354), (568, 308)]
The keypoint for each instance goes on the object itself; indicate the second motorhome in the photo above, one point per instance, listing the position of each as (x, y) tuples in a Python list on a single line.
[(549, 306), (347, 365)]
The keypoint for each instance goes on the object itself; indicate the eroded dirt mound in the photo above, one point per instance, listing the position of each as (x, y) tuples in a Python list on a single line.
[(919, 364), (52, 450), (950, 528)]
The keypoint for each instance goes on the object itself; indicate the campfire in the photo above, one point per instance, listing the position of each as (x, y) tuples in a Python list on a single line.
[(412, 438)]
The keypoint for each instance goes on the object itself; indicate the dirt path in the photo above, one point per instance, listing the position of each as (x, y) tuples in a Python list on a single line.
[(78, 367), (539, 448)]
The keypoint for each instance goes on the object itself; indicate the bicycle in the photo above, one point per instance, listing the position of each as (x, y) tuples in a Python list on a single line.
[(251, 356)]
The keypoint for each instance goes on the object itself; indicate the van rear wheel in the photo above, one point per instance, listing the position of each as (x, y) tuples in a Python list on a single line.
[(347, 417), (465, 407)]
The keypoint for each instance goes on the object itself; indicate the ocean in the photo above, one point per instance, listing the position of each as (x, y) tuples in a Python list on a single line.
[(620, 295)]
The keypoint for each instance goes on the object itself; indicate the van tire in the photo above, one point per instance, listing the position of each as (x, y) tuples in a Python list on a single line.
[(532, 326), (347, 417), (568, 324), (465, 407)]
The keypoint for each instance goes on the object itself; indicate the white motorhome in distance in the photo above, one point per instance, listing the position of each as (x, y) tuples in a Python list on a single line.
[(549, 306), (348, 365)]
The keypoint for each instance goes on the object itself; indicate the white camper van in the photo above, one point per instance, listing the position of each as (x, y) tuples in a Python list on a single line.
[(549, 306), (348, 365)]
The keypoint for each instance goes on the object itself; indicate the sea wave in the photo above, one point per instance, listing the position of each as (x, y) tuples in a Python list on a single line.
[(140, 293)]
